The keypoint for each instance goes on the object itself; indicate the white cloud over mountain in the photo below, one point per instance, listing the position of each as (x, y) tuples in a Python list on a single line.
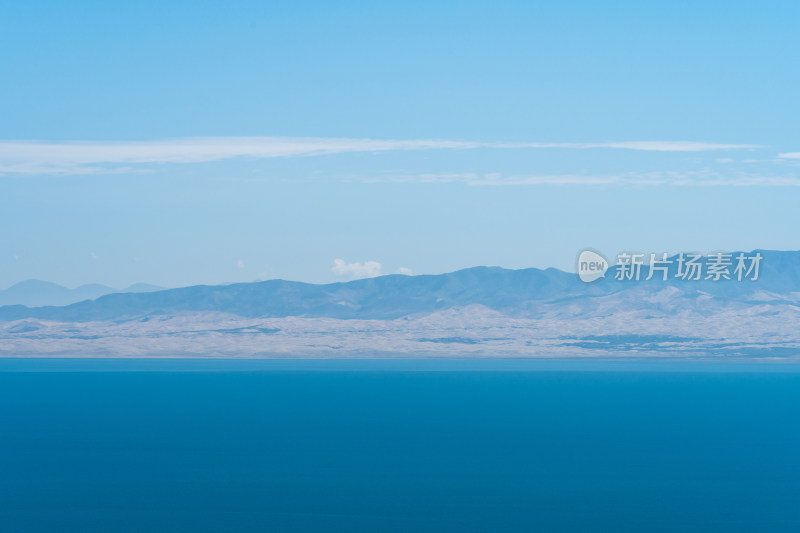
[(368, 269)]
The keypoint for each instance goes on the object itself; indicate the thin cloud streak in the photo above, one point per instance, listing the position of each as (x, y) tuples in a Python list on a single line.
[(696, 179), (84, 157)]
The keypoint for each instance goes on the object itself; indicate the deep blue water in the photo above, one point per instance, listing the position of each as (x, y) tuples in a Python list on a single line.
[(397, 447)]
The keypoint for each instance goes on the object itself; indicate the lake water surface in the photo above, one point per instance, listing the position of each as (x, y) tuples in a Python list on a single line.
[(377, 446)]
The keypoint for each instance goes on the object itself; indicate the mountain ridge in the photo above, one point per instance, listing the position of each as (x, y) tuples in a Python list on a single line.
[(513, 292), (38, 293)]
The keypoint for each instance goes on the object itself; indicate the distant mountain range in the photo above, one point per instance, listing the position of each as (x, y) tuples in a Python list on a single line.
[(476, 312), (522, 293), (383, 297), (36, 293)]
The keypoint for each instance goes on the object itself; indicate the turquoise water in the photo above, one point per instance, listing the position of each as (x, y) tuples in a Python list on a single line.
[(322, 446)]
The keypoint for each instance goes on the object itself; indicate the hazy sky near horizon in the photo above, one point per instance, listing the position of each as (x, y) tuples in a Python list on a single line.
[(178, 143)]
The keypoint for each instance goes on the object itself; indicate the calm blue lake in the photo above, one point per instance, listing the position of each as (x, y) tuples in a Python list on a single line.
[(373, 447)]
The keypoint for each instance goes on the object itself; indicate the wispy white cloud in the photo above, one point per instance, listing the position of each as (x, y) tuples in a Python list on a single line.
[(669, 178), (82, 157), (789, 155), (404, 271), (368, 269), (652, 146)]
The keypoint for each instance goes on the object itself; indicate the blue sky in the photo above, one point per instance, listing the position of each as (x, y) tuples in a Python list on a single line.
[(207, 142)]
